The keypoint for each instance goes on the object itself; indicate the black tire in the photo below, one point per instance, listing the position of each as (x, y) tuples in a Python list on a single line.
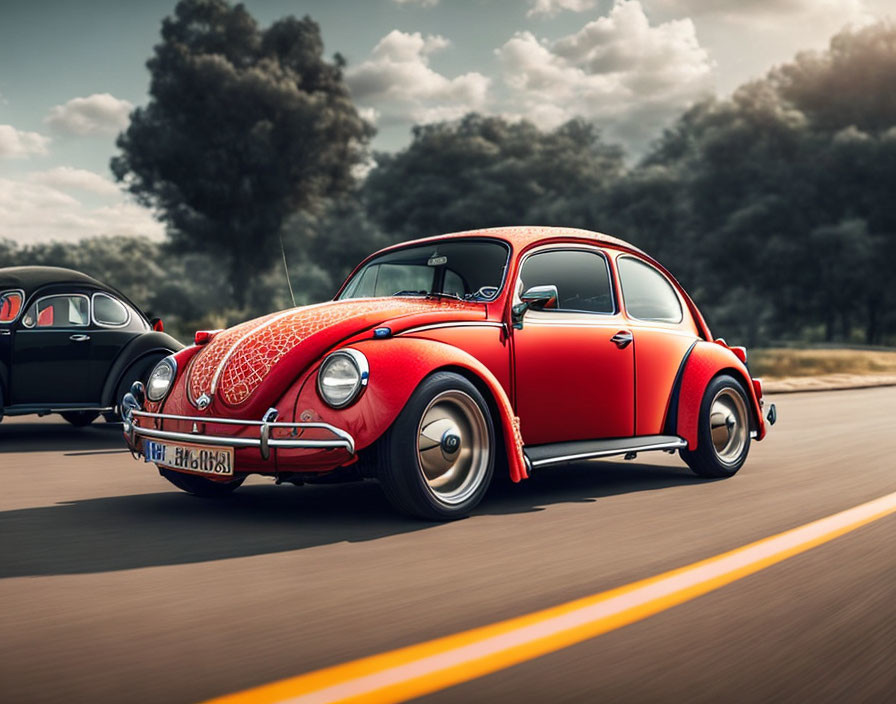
[(200, 486), (459, 415), (723, 456), (139, 371), (80, 419)]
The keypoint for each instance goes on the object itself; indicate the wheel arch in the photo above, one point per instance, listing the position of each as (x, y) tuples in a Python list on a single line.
[(133, 353), (707, 361), (392, 384)]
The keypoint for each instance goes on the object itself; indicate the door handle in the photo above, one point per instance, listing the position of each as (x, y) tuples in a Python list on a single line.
[(622, 339), (79, 338)]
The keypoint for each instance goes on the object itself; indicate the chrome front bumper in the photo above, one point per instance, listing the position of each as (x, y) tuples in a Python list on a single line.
[(264, 442)]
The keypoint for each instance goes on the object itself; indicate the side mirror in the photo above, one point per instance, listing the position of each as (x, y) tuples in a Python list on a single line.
[(157, 324), (536, 298)]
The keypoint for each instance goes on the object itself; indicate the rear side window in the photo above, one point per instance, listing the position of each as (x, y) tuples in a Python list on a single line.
[(648, 294), (10, 305), (71, 311), (108, 311), (581, 277)]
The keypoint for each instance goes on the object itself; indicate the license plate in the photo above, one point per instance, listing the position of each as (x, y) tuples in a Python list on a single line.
[(217, 461)]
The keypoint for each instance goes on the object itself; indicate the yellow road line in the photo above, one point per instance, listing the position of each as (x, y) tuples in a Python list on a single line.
[(427, 667)]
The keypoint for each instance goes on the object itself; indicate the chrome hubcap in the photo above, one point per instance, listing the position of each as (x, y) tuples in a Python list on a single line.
[(728, 425), (453, 446)]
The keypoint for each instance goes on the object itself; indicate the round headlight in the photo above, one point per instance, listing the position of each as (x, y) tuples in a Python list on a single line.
[(342, 376), (160, 380)]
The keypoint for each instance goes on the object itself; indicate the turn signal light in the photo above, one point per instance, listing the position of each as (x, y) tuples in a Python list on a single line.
[(203, 337)]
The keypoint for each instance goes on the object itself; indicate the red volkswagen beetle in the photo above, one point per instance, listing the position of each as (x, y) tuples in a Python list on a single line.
[(445, 360)]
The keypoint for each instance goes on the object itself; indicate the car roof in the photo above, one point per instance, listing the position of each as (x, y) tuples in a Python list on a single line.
[(520, 237), (31, 278)]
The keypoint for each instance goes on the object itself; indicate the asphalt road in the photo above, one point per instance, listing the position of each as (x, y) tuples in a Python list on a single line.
[(116, 587)]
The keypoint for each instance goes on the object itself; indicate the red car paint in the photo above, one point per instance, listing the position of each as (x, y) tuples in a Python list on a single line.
[(547, 382)]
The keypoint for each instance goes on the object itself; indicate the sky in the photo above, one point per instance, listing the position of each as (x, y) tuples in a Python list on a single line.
[(71, 72)]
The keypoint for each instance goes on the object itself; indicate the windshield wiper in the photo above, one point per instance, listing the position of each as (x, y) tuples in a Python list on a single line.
[(443, 294), (409, 292)]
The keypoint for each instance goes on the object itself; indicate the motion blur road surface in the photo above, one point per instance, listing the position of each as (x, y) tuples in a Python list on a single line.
[(115, 586)]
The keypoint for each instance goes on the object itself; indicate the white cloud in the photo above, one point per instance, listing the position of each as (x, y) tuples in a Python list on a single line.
[(100, 113), (66, 177), (31, 211), (17, 144), (421, 3), (552, 7), (398, 82), (629, 76), (762, 11)]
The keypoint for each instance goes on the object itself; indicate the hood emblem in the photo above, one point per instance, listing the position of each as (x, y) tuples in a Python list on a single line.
[(203, 402)]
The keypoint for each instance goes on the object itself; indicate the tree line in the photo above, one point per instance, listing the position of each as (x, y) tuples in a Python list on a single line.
[(774, 206)]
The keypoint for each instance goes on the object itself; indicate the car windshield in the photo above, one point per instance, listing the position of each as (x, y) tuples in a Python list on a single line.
[(471, 270)]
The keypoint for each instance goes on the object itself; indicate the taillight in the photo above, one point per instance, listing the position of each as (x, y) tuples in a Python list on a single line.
[(757, 387)]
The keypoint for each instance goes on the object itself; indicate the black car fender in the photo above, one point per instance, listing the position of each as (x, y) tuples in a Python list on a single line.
[(138, 349)]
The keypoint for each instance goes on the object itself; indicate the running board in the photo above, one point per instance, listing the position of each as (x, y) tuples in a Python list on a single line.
[(555, 453)]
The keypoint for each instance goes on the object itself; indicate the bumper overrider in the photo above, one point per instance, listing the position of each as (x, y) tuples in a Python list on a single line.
[(137, 426)]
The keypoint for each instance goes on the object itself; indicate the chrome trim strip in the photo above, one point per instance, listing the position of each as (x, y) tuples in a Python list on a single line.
[(678, 444), (343, 438), (454, 324)]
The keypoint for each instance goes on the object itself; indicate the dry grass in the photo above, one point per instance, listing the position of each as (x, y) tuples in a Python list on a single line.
[(781, 362)]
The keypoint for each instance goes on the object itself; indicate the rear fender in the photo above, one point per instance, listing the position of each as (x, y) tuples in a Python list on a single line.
[(706, 361), (149, 343), (397, 366)]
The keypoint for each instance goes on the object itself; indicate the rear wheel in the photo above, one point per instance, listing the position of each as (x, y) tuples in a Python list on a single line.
[(139, 371), (723, 439), (80, 419), (437, 459), (200, 486)]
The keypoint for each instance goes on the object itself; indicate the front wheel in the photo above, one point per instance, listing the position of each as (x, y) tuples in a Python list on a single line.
[(723, 436), (437, 459), (200, 486)]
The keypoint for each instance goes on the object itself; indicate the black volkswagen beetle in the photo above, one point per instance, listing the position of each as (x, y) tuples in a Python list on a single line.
[(71, 345)]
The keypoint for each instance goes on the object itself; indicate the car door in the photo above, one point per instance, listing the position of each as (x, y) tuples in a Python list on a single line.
[(573, 363), (113, 325), (663, 331), (51, 352)]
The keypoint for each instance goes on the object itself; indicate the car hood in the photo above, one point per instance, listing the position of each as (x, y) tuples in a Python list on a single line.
[(250, 365)]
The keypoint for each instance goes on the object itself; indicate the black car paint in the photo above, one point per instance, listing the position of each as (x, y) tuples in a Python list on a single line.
[(52, 369)]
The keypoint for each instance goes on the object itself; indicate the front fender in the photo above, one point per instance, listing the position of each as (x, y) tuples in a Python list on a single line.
[(397, 366), (707, 360)]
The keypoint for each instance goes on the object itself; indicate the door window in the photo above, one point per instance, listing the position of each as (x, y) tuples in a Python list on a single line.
[(65, 311), (582, 279), (647, 293), (10, 305), (109, 312)]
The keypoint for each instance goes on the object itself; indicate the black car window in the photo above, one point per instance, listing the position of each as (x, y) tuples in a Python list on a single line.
[(65, 311), (581, 277), (10, 305), (108, 311), (647, 293)]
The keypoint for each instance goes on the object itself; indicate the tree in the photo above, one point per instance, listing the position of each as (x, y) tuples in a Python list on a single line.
[(485, 171), (244, 127)]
